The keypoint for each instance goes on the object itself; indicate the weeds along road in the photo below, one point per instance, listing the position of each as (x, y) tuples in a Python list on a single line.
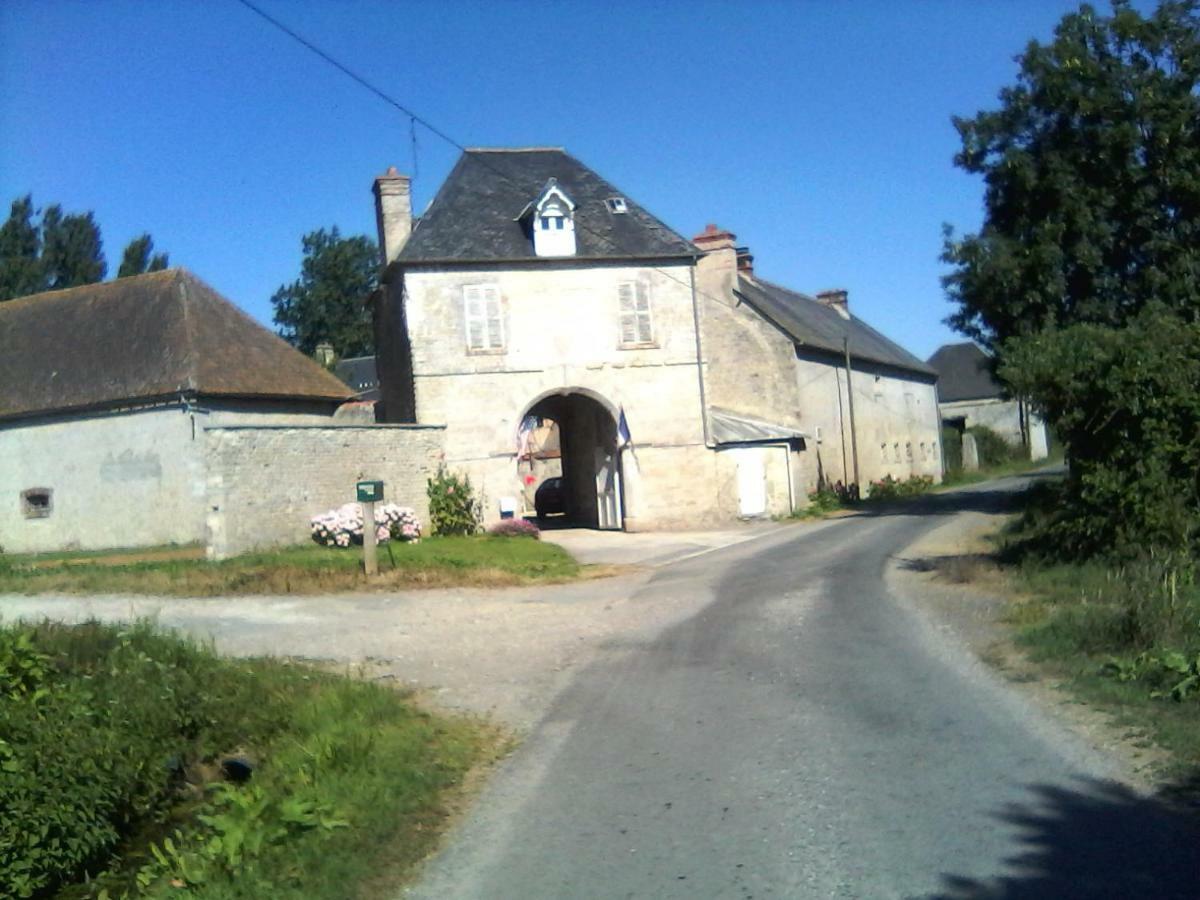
[(807, 735)]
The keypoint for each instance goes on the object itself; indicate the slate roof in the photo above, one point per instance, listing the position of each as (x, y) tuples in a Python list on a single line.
[(360, 374), (964, 373), (474, 216), (812, 324), (145, 338)]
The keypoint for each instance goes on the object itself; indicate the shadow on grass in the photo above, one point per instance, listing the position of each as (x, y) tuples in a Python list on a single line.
[(1097, 840)]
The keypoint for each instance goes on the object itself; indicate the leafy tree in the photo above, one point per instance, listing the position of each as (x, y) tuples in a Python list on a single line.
[(1092, 173), (328, 301), (20, 248), (72, 252), (139, 257), (1085, 277)]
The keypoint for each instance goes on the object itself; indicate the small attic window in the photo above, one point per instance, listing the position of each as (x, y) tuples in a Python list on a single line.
[(36, 503), (617, 205)]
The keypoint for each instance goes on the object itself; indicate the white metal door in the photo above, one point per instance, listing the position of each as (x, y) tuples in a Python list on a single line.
[(752, 481)]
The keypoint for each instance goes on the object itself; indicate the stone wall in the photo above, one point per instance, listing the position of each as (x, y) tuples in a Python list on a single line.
[(264, 483), (117, 479), (1002, 417)]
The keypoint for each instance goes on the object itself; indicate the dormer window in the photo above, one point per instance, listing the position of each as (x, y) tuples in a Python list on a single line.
[(553, 214), (616, 205)]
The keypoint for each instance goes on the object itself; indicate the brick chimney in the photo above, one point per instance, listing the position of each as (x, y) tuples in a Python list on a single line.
[(393, 213), (714, 238), (838, 300), (745, 262)]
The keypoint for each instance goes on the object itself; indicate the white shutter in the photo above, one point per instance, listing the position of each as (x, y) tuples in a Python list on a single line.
[(645, 332), (495, 325), (482, 314), (628, 308)]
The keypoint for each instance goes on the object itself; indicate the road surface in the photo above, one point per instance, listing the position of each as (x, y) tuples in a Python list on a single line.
[(806, 734)]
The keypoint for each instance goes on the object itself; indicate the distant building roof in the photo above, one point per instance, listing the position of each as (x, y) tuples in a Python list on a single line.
[(813, 324), (141, 339), (964, 373), (360, 374), (477, 214)]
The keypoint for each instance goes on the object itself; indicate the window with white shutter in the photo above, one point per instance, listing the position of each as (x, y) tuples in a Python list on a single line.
[(634, 301), (483, 317)]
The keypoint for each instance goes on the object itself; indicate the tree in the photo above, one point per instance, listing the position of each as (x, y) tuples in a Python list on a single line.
[(1092, 173), (72, 252), (139, 257), (328, 301), (20, 249), (1085, 277)]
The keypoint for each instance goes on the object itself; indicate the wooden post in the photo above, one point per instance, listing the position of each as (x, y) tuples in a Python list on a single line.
[(370, 562)]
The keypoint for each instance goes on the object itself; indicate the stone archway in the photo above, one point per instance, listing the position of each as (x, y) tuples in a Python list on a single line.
[(591, 490)]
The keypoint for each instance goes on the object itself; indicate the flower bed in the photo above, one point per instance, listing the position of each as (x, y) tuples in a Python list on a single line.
[(515, 528), (343, 526)]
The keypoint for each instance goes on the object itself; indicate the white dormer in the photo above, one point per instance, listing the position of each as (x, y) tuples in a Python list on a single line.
[(553, 222)]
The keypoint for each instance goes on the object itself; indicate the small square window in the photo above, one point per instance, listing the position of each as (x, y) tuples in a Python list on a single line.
[(616, 205), (37, 503)]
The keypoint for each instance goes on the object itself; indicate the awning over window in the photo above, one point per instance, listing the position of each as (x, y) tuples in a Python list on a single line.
[(732, 428)]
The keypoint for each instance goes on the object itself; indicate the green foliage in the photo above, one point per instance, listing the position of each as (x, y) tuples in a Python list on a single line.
[(453, 507), (72, 251), (1170, 673), (20, 251), (1092, 173), (823, 500), (139, 257), (329, 300), (1126, 405), (992, 449), (889, 488), (106, 779), (952, 448), (1083, 277)]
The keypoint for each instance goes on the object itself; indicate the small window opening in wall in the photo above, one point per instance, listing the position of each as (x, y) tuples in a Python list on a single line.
[(617, 205), (36, 503)]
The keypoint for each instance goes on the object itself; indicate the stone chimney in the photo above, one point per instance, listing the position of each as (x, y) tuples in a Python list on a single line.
[(745, 262), (838, 300), (324, 354), (393, 213)]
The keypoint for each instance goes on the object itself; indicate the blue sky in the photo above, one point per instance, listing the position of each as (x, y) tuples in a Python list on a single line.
[(819, 132)]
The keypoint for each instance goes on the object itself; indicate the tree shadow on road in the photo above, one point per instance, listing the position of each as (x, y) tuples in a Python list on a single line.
[(1003, 495), (1098, 840)]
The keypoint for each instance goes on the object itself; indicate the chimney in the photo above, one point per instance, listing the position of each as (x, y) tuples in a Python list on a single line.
[(836, 300), (745, 262), (324, 354), (393, 213), (713, 238)]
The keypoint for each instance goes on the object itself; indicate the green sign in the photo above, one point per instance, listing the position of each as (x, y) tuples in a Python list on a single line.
[(370, 491)]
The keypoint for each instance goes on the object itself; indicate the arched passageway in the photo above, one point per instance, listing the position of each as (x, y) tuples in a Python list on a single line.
[(584, 430)]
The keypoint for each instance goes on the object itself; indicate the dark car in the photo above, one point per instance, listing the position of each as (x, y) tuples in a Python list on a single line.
[(549, 498)]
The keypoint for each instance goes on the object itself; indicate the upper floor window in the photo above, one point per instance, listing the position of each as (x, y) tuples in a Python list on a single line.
[(484, 318), (553, 221), (637, 329)]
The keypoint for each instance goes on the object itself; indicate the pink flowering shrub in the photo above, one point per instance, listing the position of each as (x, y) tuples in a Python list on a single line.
[(515, 528), (343, 526)]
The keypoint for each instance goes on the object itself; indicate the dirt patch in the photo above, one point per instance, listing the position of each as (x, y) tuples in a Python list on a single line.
[(121, 558), (952, 574)]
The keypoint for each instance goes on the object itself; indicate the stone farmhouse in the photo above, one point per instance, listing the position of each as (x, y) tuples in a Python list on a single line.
[(684, 388), (150, 410), (969, 395)]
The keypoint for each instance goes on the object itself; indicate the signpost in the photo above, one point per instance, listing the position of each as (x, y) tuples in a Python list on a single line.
[(368, 492)]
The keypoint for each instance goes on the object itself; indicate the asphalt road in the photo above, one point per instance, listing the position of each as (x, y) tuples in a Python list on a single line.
[(806, 734)]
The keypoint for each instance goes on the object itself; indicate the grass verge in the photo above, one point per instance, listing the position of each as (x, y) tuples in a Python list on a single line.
[(116, 780), (482, 560)]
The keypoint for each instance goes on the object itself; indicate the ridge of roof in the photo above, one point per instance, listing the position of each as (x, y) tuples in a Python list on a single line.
[(513, 149), (144, 338), (813, 324), (964, 373)]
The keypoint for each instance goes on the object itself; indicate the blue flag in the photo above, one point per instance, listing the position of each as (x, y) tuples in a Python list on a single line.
[(623, 438)]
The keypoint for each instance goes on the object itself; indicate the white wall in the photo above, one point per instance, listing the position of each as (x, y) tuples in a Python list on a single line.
[(118, 480), (1002, 417)]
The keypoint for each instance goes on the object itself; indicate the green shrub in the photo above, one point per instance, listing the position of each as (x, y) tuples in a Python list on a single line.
[(453, 508), (952, 448), (889, 488), (993, 450)]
